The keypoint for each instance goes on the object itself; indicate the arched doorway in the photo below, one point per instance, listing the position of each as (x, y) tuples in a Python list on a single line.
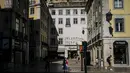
[(120, 50)]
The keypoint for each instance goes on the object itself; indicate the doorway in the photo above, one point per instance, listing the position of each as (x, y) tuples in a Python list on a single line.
[(120, 52), (73, 54)]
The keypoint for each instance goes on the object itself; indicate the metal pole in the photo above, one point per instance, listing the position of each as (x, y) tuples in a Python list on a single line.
[(81, 61), (85, 61)]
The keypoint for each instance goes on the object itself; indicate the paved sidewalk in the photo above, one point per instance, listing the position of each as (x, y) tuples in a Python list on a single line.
[(76, 67), (37, 67)]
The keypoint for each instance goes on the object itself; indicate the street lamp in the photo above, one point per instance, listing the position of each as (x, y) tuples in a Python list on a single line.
[(84, 47), (109, 16)]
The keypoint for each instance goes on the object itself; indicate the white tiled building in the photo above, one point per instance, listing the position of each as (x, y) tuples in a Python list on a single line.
[(70, 20)]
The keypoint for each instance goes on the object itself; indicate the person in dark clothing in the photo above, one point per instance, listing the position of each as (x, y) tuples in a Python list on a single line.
[(47, 64), (109, 61)]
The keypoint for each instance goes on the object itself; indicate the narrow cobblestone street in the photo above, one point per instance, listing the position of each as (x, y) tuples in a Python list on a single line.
[(56, 66), (74, 67)]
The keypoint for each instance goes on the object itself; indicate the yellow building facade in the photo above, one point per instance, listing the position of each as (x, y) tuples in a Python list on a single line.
[(122, 12)]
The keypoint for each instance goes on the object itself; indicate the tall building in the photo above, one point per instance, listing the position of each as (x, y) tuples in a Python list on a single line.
[(14, 38), (70, 20), (40, 30), (108, 31), (38, 12)]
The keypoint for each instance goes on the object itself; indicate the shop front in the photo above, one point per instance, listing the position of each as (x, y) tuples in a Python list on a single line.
[(120, 51)]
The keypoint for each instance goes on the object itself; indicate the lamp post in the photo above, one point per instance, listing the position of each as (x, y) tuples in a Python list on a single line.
[(84, 47)]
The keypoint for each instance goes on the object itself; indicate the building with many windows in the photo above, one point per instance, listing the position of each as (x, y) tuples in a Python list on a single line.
[(39, 17), (14, 38), (43, 33), (103, 40), (69, 18)]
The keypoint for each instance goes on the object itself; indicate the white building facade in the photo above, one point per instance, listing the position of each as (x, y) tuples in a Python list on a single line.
[(70, 21)]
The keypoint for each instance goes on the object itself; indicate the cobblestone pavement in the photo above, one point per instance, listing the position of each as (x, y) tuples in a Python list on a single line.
[(38, 67), (73, 66), (76, 67)]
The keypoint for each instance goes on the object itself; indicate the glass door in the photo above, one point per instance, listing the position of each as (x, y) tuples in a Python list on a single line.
[(120, 54)]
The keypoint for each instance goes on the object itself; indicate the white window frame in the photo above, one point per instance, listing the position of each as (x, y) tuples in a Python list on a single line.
[(119, 25), (75, 20), (75, 11), (54, 20), (83, 21), (60, 20), (17, 24), (32, 10), (60, 12), (54, 12), (60, 30), (60, 41), (118, 4), (82, 11), (67, 11)]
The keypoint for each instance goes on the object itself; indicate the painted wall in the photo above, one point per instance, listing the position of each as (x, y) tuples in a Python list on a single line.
[(125, 13), (2, 2)]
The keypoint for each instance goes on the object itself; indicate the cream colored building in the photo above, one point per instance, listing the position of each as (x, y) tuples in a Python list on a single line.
[(100, 42)]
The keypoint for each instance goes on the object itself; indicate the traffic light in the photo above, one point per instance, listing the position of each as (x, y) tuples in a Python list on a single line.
[(84, 43)]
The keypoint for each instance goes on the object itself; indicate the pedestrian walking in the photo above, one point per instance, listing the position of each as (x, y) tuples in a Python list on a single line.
[(78, 59), (65, 65), (47, 64), (109, 62)]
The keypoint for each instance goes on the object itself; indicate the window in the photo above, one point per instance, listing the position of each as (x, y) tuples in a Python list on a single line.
[(53, 12), (53, 30), (60, 30), (17, 24), (82, 20), (75, 11), (82, 11), (32, 10), (60, 20), (8, 3), (68, 22), (75, 21), (60, 12), (119, 25), (24, 30), (118, 3), (60, 41), (52, 41), (31, 2), (18, 3), (54, 20), (67, 12)]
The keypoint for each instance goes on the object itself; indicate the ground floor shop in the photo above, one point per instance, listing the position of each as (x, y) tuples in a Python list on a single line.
[(117, 47)]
